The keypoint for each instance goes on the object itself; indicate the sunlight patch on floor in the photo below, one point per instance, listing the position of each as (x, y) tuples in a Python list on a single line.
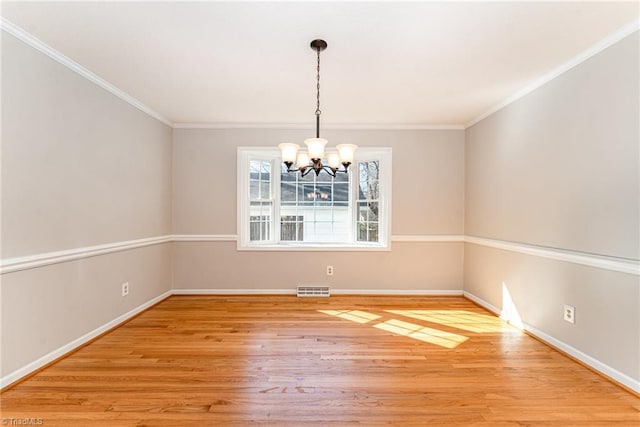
[(422, 333), (459, 319), (399, 327), (353, 315)]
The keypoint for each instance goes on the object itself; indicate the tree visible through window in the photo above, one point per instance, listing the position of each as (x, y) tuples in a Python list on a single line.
[(368, 201)]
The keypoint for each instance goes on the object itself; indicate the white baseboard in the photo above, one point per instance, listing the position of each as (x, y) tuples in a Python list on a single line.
[(209, 291), (597, 365), (386, 292), (492, 308), (67, 348), (396, 292)]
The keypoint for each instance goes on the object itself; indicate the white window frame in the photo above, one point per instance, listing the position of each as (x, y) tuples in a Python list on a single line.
[(245, 154)]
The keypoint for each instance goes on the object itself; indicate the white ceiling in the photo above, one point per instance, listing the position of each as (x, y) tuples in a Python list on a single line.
[(388, 63)]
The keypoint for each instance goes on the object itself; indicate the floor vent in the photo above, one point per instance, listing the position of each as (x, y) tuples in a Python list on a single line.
[(313, 291)]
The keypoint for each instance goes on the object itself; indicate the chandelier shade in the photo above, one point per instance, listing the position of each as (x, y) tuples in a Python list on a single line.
[(289, 152), (315, 146), (314, 159)]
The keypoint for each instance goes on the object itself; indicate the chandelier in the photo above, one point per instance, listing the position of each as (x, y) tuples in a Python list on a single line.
[(312, 159)]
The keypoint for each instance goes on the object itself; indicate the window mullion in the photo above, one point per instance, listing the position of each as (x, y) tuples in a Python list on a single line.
[(353, 202), (276, 197)]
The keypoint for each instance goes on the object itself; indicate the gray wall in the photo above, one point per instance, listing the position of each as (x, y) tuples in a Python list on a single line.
[(80, 167), (428, 198), (560, 168)]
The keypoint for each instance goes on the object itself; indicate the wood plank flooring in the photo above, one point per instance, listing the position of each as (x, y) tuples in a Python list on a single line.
[(280, 360)]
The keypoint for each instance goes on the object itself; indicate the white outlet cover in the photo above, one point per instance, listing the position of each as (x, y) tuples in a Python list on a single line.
[(569, 313)]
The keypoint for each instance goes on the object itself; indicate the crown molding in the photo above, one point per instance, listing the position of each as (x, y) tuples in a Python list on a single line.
[(329, 126), (11, 28), (38, 44), (611, 39)]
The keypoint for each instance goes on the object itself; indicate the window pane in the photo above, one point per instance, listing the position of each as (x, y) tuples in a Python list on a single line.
[(260, 214), (265, 171), (341, 192), (368, 180), (369, 170), (265, 190), (254, 169), (323, 192), (372, 211), (362, 211), (362, 232), (254, 189), (259, 229), (341, 177), (372, 232), (367, 231), (291, 228), (288, 191)]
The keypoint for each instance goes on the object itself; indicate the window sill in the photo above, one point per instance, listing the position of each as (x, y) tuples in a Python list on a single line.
[(316, 247)]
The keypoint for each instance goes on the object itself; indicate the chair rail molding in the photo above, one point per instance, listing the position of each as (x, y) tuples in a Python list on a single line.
[(10, 265), (622, 265)]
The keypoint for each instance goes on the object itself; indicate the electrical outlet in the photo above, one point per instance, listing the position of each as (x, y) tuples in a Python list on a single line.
[(569, 313), (329, 270), (125, 289)]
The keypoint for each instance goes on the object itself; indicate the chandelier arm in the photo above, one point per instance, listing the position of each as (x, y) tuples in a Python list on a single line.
[(305, 171), (331, 171), (288, 165)]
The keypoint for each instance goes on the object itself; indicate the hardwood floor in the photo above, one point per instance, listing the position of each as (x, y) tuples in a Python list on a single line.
[(280, 360)]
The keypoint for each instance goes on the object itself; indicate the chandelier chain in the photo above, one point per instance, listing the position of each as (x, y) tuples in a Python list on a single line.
[(312, 161), (318, 112)]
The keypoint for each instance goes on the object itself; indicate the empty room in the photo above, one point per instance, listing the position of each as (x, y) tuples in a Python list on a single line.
[(320, 213)]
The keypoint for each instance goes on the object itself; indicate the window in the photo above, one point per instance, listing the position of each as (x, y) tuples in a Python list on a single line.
[(260, 201), (281, 210), (368, 202)]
